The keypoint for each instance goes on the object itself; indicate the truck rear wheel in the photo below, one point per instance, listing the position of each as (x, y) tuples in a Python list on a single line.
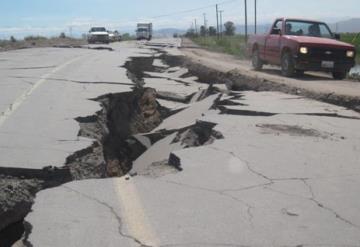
[(257, 63), (340, 75), (287, 65)]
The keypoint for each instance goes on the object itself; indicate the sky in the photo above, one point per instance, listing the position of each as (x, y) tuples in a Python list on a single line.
[(47, 17)]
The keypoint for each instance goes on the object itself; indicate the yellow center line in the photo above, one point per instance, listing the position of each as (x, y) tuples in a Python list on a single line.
[(20, 100), (133, 214)]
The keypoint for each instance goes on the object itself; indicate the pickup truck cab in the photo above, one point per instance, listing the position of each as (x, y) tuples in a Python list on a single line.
[(299, 45)]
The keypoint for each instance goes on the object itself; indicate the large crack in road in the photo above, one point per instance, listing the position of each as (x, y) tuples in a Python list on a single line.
[(126, 127), (121, 133)]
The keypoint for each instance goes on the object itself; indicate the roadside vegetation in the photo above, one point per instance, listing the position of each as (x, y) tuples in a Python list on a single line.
[(127, 36), (233, 45), (227, 42), (39, 41)]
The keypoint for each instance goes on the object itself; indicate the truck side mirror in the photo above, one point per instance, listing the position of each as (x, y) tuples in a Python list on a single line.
[(337, 36)]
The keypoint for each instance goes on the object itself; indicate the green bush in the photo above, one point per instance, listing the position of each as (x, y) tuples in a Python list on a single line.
[(34, 38), (354, 39), (234, 45), (127, 36)]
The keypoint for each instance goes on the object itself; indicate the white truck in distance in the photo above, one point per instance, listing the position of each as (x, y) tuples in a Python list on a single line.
[(144, 31)]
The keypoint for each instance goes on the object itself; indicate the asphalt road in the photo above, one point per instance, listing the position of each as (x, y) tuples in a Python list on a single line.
[(43, 91), (285, 173)]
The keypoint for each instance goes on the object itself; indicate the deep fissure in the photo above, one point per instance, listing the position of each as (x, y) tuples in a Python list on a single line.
[(116, 130)]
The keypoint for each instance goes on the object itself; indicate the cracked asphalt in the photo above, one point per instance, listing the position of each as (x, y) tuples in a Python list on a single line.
[(286, 171)]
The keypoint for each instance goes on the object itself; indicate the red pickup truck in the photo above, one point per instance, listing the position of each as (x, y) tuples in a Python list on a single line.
[(298, 45)]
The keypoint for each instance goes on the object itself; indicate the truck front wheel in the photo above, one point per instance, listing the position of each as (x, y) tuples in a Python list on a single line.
[(287, 65), (257, 63), (340, 75)]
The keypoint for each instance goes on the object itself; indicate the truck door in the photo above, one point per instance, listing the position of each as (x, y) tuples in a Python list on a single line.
[(273, 43)]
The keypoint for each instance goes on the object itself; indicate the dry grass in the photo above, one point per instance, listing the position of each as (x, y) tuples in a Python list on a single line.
[(234, 45), (39, 41)]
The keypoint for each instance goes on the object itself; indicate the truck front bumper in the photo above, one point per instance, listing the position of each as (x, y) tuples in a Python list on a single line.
[(312, 64), (99, 38)]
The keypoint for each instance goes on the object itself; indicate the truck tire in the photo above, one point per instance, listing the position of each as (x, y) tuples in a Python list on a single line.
[(287, 65), (339, 75), (257, 63)]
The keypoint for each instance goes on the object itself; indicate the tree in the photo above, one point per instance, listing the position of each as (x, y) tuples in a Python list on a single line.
[(203, 31), (190, 33), (212, 31), (12, 39), (126, 36), (229, 28), (62, 35)]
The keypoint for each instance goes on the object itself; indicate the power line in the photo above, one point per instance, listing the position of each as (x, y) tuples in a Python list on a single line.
[(193, 10)]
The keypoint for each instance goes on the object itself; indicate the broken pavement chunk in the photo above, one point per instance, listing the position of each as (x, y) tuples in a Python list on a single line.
[(175, 161)]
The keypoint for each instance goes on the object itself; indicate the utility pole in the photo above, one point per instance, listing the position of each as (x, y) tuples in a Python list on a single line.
[(205, 24), (246, 25), (196, 29), (70, 31), (221, 22), (217, 21), (255, 16)]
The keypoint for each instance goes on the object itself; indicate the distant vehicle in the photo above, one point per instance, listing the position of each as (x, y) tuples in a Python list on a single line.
[(114, 36), (98, 35), (111, 36), (117, 36), (299, 45), (144, 31)]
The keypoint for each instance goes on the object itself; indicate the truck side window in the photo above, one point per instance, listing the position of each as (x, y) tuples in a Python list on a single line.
[(276, 30)]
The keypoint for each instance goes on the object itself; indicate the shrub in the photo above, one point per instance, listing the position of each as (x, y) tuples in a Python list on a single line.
[(33, 38)]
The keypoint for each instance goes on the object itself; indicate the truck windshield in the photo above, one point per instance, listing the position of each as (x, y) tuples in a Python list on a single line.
[(98, 29), (142, 30), (307, 28)]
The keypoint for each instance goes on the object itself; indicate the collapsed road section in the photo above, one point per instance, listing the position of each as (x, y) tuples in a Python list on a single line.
[(121, 131)]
